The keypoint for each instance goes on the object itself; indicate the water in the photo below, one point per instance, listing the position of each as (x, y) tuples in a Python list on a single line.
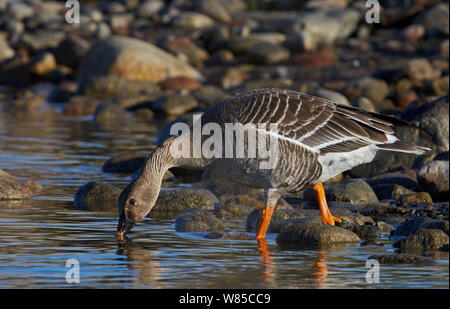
[(38, 236)]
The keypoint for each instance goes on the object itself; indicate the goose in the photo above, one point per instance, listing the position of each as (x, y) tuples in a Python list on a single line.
[(316, 139)]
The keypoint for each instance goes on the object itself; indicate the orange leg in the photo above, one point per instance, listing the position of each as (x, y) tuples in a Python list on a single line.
[(266, 215), (327, 217)]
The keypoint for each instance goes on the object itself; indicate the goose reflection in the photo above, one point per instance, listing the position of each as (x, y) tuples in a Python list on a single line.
[(267, 261), (144, 264)]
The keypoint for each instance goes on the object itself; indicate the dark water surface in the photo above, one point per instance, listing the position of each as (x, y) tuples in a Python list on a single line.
[(37, 237)]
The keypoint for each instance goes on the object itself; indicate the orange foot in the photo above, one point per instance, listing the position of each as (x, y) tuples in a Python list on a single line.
[(327, 217)]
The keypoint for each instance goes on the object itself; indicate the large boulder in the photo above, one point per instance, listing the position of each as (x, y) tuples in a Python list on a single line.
[(434, 178), (131, 59), (97, 197), (12, 188)]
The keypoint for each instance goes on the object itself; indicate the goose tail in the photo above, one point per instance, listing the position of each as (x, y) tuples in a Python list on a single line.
[(399, 146)]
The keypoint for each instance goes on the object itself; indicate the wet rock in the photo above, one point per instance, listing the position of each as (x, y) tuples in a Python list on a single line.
[(131, 59), (434, 177), (267, 53), (81, 106), (198, 221), (6, 52), (63, 92), (415, 198), (25, 103), (109, 112), (424, 239), (415, 225), (171, 202), (209, 94), (112, 86), (401, 259), (366, 232), (124, 163), (301, 41), (331, 95), (213, 9), (149, 8), (307, 233), (381, 211), (184, 48), (41, 40), (374, 89), (355, 191), (192, 20), (233, 211), (239, 206), (174, 104), (97, 196), (12, 188), (390, 191)]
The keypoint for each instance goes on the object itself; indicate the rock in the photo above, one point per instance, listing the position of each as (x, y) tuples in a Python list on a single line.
[(116, 87), (97, 197), (415, 225), (6, 52), (364, 103), (413, 33), (108, 112), (415, 198), (131, 59), (242, 44), (198, 221), (15, 71), (240, 206), (419, 70), (40, 40), (81, 106), (192, 20), (435, 20), (278, 218), (434, 177), (63, 92), (301, 41), (440, 86), (405, 98), (43, 64), (184, 48), (386, 191), (424, 239), (401, 259), (267, 53), (12, 188), (331, 95), (233, 6), (178, 83), (213, 9), (366, 232), (355, 191), (383, 212), (232, 211), (374, 89), (174, 104), (26, 103), (149, 8), (71, 50), (124, 163), (303, 233), (171, 202), (18, 10)]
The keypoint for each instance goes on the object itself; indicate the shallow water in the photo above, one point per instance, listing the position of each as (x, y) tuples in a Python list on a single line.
[(37, 237)]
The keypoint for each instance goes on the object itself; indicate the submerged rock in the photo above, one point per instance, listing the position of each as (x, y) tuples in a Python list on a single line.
[(401, 259), (312, 232), (124, 163), (198, 221), (172, 202), (424, 239), (97, 196), (12, 188)]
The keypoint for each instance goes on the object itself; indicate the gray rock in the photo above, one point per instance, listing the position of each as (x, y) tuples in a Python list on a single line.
[(355, 191), (435, 20), (12, 188), (390, 191), (192, 20), (109, 112), (434, 177), (242, 44), (198, 221), (364, 103), (303, 233), (174, 104), (124, 163), (213, 9), (6, 52), (424, 239), (374, 89), (172, 202), (97, 197), (420, 69), (331, 95), (209, 94), (233, 211), (149, 8), (278, 218), (19, 10)]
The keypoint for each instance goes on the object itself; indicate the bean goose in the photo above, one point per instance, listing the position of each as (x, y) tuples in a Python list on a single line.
[(316, 140)]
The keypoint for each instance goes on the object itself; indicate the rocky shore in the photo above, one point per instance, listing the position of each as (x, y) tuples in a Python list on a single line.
[(162, 61)]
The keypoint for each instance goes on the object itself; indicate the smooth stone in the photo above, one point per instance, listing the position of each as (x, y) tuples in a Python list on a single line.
[(374, 89), (209, 94), (415, 225), (267, 53), (303, 233), (174, 104), (401, 259), (131, 59), (355, 191), (424, 239), (198, 221), (364, 103), (172, 202), (390, 191), (109, 112), (43, 64), (97, 197), (6, 52), (242, 44), (193, 20), (213, 9), (331, 95)]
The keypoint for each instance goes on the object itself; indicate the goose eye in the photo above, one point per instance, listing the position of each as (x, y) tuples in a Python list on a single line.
[(132, 201)]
